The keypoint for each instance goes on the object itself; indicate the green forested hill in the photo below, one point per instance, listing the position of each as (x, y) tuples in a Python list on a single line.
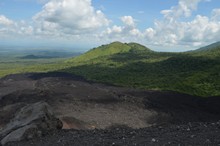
[(210, 51), (133, 65), (211, 47), (108, 50)]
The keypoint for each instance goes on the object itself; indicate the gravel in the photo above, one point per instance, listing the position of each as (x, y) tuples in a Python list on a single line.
[(189, 134)]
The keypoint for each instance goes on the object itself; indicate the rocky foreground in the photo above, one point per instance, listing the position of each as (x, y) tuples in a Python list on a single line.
[(191, 134), (97, 114)]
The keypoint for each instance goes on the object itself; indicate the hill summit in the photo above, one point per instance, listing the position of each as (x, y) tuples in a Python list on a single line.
[(111, 49)]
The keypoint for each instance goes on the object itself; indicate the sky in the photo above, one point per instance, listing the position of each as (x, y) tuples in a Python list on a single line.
[(162, 25)]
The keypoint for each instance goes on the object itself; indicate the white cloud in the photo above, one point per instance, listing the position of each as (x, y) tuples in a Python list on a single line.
[(128, 20), (184, 8), (70, 16), (149, 33), (216, 15), (5, 21), (14, 29), (172, 31), (23, 28), (6, 26), (127, 32), (115, 29)]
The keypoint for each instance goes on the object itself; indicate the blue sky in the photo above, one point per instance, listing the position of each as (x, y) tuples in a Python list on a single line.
[(172, 25)]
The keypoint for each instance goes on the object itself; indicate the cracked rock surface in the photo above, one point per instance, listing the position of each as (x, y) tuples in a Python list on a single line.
[(31, 121)]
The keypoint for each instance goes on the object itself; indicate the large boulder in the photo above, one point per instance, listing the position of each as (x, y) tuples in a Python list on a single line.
[(31, 121), (8, 112)]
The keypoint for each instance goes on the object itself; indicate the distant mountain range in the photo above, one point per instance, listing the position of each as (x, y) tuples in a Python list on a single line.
[(49, 55), (37, 57)]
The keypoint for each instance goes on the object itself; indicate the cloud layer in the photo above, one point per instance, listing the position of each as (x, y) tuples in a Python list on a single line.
[(172, 30), (78, 20)]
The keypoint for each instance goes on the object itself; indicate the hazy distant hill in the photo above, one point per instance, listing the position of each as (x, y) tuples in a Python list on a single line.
[(21, 60), (214, 46), (210, 51), (37, 57)]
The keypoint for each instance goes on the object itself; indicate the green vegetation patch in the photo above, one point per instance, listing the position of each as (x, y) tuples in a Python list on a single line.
[(194, 73)]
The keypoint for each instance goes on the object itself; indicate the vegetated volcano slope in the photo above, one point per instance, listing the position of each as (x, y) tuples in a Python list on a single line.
[(133, 65), (210, 48)]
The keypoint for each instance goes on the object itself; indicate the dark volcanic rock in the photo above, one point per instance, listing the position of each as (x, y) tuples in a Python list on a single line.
[(188, 134), (32, 120), (103, 114)]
